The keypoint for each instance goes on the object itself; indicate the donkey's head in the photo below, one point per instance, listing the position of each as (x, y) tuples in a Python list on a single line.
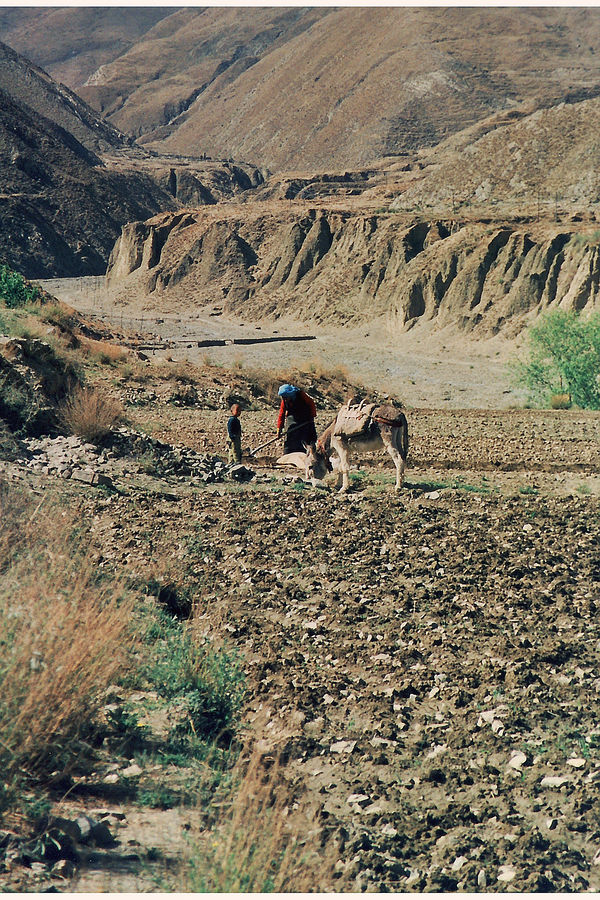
[(317, 462)]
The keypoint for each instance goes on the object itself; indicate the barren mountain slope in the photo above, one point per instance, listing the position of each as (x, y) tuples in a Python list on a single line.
[(61, 211), (162, 74), (551, 153), (337, 267), (72, 42), (29, 84), (364, 82), (313, 88)]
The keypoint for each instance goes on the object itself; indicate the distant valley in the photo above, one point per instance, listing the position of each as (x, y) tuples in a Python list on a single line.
[(293, 152)]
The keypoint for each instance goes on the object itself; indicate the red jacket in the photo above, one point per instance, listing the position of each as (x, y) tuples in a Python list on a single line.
[(300, 406)]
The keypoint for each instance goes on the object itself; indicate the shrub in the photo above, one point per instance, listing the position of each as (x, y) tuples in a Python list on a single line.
[(560, 401), (265, 841), (207, 681), (90, 413), (564, 357), (64, 636), (57, 314), (103, 352), (15, 290)]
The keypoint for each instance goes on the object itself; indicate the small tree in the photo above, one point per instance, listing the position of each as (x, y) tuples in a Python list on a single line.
[(564, 356), (15, 290)]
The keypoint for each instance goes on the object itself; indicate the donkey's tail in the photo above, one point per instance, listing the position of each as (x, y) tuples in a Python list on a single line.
[(402, 436)]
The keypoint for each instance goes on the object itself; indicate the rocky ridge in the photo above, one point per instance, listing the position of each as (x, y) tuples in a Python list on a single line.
[(62, 209), (335, 266), (30, 85)]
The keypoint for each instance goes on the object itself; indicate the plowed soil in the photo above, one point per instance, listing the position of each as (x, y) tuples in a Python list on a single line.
[(427, 662)]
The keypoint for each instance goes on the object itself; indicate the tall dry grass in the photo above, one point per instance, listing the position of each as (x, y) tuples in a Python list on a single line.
[(90, 413), (64, 636), (104, 352), (266, 840)]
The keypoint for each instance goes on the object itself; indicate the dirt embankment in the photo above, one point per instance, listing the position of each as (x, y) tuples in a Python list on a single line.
[(338, 267)]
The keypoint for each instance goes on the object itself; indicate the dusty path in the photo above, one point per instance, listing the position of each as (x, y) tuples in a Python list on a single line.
[(424, 367)]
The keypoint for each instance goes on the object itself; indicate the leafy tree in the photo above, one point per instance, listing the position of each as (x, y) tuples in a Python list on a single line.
[(15, 290), (564, 357)]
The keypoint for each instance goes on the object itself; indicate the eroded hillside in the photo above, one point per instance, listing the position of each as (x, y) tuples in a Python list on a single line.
[(336, 267), (543, 156), (311, 88)]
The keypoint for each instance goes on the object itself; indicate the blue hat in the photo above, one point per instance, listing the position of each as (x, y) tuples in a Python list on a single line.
[(287, 390)]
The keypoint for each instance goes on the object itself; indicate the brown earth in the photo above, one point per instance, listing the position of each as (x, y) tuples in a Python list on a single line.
[(334, 264), (426, 662), (543, 162), (364, 82), (71, 43)]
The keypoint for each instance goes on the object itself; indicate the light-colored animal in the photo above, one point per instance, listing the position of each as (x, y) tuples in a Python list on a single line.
[(383, 426)]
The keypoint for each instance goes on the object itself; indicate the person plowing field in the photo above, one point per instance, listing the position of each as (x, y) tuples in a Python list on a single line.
[(297, 413)]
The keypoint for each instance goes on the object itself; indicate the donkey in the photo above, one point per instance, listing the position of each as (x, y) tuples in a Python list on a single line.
[(385, 426)]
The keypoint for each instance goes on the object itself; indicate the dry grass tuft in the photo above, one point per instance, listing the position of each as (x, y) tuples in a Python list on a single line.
[(90, 413), (560, 401), (266, 841), (104, 352), (64, 632)]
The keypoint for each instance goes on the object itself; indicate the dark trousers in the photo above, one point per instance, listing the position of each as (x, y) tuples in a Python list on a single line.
[(298, 434)]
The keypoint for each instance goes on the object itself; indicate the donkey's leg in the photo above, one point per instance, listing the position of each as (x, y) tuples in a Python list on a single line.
[(397, 458), (342, 451)]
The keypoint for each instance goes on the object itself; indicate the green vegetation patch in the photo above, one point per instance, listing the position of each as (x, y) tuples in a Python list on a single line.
[(16, 291), (563, 359), (185, 668)]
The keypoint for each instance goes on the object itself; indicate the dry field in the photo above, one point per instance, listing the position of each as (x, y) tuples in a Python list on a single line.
[(424, 666)]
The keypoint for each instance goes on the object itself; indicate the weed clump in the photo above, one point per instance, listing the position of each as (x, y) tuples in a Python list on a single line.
[(90, 414), (64, 637), (265, 842), (188, 670)]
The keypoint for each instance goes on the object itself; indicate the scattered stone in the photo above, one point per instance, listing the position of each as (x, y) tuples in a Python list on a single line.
[(64, 868), (132, 771), (517, 760), (342, 747), (506, 873), (84, 825), (240, 472), (101, 835), (554, 781), (358, 799)]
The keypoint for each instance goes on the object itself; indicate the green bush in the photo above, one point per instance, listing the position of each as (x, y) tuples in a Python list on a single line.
[(206, 682), (564, 358), (15, 290)]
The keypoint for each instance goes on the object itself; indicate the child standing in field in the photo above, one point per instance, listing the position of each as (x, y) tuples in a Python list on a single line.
[(234, 433)]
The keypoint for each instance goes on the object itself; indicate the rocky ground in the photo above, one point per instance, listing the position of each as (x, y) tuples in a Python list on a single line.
[(425, 664)]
